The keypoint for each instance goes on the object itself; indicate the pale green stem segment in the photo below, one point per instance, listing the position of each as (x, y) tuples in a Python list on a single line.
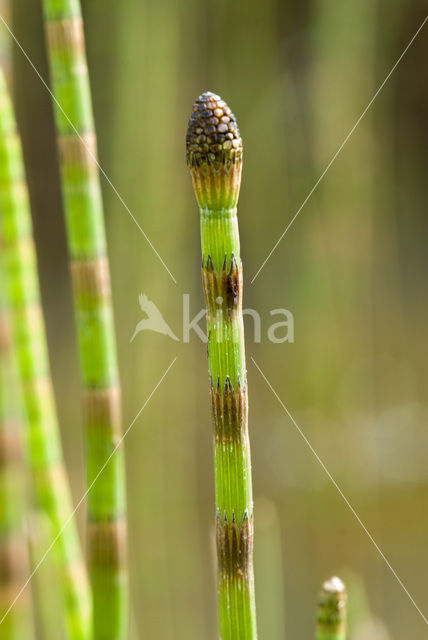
[(28, 332), (14, 555), (331, 619), (220, 247), (214, 155), (94, 316)]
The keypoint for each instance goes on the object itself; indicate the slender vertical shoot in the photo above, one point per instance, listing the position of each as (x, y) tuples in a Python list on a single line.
[(214, 157), (94, 316), (331, 619), (14, 555), (28, 333)]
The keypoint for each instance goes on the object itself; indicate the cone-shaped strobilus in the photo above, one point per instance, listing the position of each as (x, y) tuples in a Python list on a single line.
[(331, 619), (214, 157)]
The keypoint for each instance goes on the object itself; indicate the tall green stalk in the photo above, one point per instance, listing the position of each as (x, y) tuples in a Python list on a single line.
[(14, 557), (28, 331), (331, 619), (94, 317), (214, 157)]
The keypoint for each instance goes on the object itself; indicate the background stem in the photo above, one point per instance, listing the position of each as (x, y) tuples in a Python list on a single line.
[(14, 556), (23, 297), (94, 316), (331, 620)]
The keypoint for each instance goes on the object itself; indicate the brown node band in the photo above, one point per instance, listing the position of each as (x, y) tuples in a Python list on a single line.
[(13, 560), (102, 409), (66, 33), (79, 150), (91, 278), (234, 546), (11, 445), (107, 543), (229, 409), (223, 290)]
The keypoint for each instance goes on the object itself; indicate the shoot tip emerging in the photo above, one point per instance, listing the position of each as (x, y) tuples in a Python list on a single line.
[(332, 609)]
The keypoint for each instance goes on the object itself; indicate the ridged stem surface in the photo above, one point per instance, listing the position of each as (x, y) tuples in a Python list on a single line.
[(28, 330), (214, 154), (94, 316)]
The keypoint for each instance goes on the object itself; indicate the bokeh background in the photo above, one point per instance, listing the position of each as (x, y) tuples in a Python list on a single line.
[(352, 270)]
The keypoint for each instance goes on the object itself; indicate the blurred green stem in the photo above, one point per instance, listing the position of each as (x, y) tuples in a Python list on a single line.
[(331, 620), (28, 331), (94, 317), (14, 557)]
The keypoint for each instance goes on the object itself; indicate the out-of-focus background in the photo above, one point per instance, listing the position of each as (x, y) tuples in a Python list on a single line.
[(352, 270)]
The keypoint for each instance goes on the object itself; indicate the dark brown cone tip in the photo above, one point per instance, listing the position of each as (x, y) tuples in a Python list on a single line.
[(212, 135)]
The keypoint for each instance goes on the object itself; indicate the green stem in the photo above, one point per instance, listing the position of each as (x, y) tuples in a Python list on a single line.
[(331, 619), (23, 297), (48, 617), (94, 316), (14, 557), (214, 156)]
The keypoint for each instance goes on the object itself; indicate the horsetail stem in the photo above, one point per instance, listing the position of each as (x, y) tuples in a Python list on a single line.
[(331, 619), (28, 333), (214, 157), (14, 554), (94, 316)]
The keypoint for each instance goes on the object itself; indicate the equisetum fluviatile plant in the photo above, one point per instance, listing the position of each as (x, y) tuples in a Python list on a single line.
[(14, 557), (331, 619), (22, 294), (214, 157), (94, 316)]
